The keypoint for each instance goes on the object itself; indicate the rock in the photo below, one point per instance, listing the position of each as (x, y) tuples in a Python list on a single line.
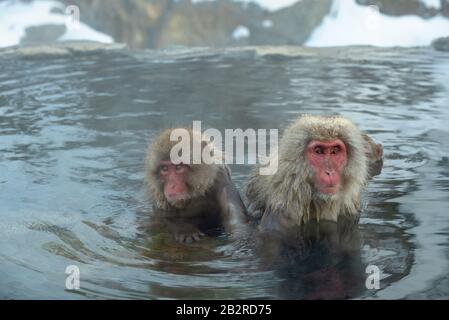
[(39, 51), (166, 23), (61, 49), (159, 24), (441, 44), (43, 34), (408, 7), (136, 23), (297, 22)]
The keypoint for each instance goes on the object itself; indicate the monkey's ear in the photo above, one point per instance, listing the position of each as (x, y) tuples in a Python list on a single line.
[(379, 151)]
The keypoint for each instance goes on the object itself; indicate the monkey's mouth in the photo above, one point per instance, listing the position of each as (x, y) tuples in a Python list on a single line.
[(178, 201), (328, 189)]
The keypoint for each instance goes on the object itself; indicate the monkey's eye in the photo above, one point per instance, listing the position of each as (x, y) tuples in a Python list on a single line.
[(335, 150), (180, 168), (163, 169), (319, 150)]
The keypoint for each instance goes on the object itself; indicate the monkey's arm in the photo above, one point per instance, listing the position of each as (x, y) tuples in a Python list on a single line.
[(184, 230), (232, 210), (374, 153)]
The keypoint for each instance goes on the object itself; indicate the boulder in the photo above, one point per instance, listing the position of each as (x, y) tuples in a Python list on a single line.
[(441, 44)]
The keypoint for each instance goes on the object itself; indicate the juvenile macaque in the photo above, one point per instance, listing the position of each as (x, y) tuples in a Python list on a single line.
[(192, 198), (323, 165)]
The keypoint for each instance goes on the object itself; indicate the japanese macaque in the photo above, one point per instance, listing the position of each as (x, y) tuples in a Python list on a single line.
[(192, 198), (323, 165)]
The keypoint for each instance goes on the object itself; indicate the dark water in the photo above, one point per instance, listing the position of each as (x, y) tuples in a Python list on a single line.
[(73, 133)]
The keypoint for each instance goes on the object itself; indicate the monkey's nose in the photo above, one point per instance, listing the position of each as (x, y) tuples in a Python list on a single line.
[(330, 172)]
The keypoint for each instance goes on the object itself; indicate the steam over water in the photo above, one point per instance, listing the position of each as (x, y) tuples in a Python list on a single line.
[(73, 136)]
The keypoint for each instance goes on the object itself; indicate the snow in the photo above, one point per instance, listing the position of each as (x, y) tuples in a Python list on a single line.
[(240, 32), (432, 4), (271, 5), (16, 16), (351, 24), (267, 23), (348, 23)]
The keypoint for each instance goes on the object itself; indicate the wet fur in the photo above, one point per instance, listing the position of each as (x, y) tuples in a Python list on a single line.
[(289, 193), (205, 175)]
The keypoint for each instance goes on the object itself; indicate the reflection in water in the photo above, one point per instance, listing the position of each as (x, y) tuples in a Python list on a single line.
[(328, 260), (73, 133), (316, 261)]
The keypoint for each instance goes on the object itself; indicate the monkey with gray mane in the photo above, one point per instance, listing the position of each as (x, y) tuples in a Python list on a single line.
[(324, 162)]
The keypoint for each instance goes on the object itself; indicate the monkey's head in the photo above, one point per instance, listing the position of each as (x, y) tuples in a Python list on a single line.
[(322, 168), (329, 153), (175, 185)]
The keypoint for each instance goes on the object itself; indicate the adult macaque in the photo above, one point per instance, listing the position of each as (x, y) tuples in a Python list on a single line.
[(323, 165), (191, 198)]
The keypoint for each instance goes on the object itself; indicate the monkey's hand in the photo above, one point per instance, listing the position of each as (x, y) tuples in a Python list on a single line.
[(184, 232), (187, 238)]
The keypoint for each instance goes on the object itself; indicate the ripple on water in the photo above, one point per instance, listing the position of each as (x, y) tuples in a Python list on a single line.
[(73, 134)]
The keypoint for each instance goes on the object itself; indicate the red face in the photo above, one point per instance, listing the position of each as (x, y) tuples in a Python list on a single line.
[(327, 160), (174, 179)]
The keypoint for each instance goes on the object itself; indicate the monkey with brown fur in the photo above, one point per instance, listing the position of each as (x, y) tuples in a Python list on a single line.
[(191, 198), (323, 165)]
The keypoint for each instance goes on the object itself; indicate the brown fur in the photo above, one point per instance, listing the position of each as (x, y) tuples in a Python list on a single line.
[(200, 180), (213, 200), (289, 193)]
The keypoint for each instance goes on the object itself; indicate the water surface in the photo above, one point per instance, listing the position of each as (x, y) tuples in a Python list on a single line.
[(73, 134)]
